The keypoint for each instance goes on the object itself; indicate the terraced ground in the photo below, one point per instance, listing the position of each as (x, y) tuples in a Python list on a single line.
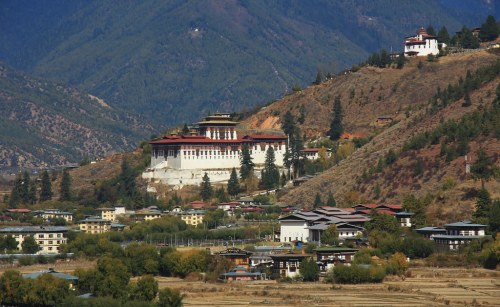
[(425, 287)]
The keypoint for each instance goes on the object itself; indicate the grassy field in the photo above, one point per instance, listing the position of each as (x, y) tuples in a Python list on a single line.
[(424, 286)]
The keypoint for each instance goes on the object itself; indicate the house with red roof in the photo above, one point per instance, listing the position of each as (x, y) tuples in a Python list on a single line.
[(214, 147)]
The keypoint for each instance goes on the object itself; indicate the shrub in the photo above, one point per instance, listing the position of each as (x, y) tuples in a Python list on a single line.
[(356, 274)]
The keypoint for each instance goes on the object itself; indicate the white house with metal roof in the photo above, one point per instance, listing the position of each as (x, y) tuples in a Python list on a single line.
[(49, 238)]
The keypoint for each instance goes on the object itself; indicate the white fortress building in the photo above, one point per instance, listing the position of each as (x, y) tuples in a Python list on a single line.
[(213, 147), (421, 44)]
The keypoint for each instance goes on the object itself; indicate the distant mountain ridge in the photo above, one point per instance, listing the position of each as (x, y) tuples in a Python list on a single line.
[(45, 124), (173, 61)]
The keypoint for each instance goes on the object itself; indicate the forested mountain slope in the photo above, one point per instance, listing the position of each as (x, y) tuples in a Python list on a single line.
[(406, 96), (44, 124), (175, 60)]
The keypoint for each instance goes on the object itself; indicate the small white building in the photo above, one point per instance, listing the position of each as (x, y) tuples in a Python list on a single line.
[(49, 238), (314, 153), (421, 44), (50, 214)]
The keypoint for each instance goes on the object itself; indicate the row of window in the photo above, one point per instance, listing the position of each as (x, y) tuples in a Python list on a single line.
[(50, 242)]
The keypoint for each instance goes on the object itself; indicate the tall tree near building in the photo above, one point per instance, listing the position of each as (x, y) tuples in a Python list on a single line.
[(288, 124), (489, 30), (331, 201), (17, 191), (283, 179), (483, 206), (206, 188), (128, 188), (25, 186), (443, 36), (400, 61), (46, 188), (246, 163), (330, 236), (32, 193), (29, 245), (430, 30), (483, 169), (317, 201), (65, 186), (233, 185), (185, 130), (336, 127), (468, 40), (309, 270), (270, 173)]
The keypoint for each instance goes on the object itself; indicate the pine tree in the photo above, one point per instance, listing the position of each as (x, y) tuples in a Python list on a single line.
[(288, 124), (319, 78), (246, 163), (233, 185), (317, 201), (126, 179), (336, 127), (16, 194), (489, 30), (185, 130), (32, 193), (283, 179), (65, 186), (467, 102), (25, 185), (483, 205), (331, 200), (400, 61), (483, 169), (46, 189), (443, 37), (430, 30), (206, 188), (270, 173), (468, 40)]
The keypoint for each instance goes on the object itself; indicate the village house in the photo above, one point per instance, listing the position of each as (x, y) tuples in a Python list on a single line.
[(49, 238), (314, 153), (192, 217), (51, 214), (328, 257), (430, 231), (72, 280), (237, 256), (404, 218), (214, 147), (287, 265), (240, 273), (421, 44), (95, 225), (459, 234), (147, 215), (107, 214)]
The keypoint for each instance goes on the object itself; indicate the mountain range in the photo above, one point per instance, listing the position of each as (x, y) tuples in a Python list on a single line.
[(156, 64)]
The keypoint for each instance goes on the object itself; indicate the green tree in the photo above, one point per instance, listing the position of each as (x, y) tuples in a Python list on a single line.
[(443, 36), (49, 290), (65, 186), (9, 243), (319, 78), (288, 124), (417, 207), (25, 185), (206, 188), (32, 193), (483, 205), (483, 169), (467, 101), (331, 200), (283, 179), (400, 61), (336, 127), (246, 163), (270, 173), (468, 40), (169, 298), (16, 196), (14, 289), (317, 201), (221, 195), (309, 270), (145, 289), (126, 180), (46, 188), (142, 259), (495, 217), (30, 246), (330, 235), (430, 30), (489, 30), (185, 130), (233, 185), (383, 222), (113, 277)]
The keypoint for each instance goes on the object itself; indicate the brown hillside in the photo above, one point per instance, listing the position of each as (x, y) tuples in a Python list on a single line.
[(401, 90), (369, 93)]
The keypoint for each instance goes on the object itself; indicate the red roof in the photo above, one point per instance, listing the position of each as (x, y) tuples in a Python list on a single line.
[(395, 207), (21, 210), (200, 139), (252, 209), (369, 206), (198, 204), (384, 211)]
